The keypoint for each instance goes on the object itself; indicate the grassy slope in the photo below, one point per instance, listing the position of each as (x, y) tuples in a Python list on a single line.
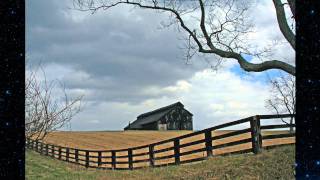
[(271, 164)]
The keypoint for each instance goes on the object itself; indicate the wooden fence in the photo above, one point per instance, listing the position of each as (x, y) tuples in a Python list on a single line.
[(173, 149)]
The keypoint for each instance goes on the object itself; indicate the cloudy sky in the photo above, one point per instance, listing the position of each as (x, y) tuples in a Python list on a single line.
[(125, 64)]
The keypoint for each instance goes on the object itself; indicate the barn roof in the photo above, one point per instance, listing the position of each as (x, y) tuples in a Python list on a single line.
[(154, 115)]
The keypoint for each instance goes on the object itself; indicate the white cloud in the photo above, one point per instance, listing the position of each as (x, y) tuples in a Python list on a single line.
[(181, 86), (224, 96), (213, 98)]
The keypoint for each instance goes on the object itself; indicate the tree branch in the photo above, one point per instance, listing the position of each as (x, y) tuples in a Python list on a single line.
[(44, 111), (203, 27), (283, 23), (251, 67), (244, 64), (292, 4)]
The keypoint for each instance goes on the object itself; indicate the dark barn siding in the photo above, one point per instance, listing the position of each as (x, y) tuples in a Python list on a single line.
[(178, 119), (150, 126), (172, 117)]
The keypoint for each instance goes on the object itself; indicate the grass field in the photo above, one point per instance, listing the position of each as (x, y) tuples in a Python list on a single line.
[(271, 164)]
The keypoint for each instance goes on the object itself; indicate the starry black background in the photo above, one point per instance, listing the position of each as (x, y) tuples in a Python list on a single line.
[(308, 94), (12, 47), (12, 75)]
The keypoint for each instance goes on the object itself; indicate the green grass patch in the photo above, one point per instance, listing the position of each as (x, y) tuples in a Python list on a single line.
[(272, 164)]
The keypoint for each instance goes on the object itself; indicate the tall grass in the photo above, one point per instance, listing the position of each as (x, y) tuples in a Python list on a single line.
[(270, 164)]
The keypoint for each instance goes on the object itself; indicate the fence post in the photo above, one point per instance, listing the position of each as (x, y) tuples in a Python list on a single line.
[(37, 146), (27, 143), (130, 159), (59, 152), (259, 132), (41, 147), (99, 158), (151, 155), (67, 154), (208, 142), (47, 147), (52, 151), (176, 151), (76, 155), (87, 159), (113, 159), (256, 134)]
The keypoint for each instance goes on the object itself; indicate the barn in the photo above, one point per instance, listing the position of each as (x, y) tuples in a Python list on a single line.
[(171, 117)]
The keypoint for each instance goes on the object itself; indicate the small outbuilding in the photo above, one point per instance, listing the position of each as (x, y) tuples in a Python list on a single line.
[(171, 117)]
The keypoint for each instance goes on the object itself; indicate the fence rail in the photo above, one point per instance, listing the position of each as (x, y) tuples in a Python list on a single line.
[(114, 159)]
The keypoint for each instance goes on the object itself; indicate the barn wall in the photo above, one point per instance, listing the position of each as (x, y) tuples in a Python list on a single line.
[(178, 119), (150, 126)]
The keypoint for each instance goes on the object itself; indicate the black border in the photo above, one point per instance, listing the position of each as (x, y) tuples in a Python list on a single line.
[(308, 94), (12, 82)]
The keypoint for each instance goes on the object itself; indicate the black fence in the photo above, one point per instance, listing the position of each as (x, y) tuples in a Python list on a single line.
[(172, 151)]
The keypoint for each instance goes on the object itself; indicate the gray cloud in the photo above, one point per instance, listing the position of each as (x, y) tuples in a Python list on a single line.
[(125, 65), (125, 49)]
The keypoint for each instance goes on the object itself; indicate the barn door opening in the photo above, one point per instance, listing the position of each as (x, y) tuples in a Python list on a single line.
[(163, 127)]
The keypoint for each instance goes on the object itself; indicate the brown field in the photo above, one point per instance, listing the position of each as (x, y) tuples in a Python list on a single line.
[(107, 140)]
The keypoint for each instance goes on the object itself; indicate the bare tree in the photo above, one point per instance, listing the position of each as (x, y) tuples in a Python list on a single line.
[(283, 96), (218, 27), (47, 105)]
